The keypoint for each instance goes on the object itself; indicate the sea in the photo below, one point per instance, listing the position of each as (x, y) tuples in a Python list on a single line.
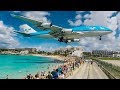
[(18, 66)]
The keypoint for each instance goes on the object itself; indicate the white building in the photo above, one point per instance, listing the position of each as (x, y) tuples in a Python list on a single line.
[(24, 52), (116, 55)]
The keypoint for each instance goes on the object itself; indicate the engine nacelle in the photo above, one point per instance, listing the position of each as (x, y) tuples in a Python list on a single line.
[(67, 30), (69, 40), (76, 40), (46, 25)]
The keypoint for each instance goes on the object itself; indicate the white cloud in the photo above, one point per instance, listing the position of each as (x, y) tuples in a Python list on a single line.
[(102, 18), (76, 23), (78, 16), (86, 16), (37, 15), (47, 46), (7, 39)]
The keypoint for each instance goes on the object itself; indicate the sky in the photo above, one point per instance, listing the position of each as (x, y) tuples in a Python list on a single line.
[(66, 19)]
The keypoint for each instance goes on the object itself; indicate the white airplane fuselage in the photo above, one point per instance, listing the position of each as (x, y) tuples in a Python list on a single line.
[(95, 33), (91, 31)]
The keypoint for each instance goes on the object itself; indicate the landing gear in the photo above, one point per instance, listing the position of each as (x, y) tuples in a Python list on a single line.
[(100, 38), (66, 41), (60, 39)]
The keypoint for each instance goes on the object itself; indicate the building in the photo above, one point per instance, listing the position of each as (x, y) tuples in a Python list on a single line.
[(74, 51), (102, 53), (24, 52), (116, 55), (31, 50), (18, 51)]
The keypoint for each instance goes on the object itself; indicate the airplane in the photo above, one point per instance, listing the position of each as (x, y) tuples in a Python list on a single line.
[(64, 34)]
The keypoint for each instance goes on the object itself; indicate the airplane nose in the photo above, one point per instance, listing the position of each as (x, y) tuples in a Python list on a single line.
[(110, 31)]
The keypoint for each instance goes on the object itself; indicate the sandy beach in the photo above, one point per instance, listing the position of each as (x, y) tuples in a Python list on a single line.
[(58, 57), (69, 60)]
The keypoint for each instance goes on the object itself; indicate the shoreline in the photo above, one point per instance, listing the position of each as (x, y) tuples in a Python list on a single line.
[(58, 57)]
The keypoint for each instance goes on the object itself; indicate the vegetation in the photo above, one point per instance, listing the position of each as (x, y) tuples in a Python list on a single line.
[(65, 53), (109, 58)]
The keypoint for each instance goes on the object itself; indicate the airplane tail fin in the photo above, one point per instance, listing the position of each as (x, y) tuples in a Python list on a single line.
[(26, 29)]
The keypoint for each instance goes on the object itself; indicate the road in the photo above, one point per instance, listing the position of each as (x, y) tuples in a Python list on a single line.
[(88, 71)]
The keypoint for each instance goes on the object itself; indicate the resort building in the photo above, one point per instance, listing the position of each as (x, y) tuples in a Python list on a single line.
[(103, 53), (106, 53), (24, 52), (74, 51), (18, 51)]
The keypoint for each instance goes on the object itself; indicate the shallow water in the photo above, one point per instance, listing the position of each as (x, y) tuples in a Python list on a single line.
[(17, 67)]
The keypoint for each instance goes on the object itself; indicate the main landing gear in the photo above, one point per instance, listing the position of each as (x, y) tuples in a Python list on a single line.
[(100, 38), (61, 39)]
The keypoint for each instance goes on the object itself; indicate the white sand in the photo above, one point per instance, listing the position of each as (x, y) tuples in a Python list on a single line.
[(50, 56)]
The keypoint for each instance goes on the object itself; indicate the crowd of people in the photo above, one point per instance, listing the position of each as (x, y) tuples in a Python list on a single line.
[(61, 72)]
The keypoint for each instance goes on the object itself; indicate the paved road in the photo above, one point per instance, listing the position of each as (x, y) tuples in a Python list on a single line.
[(88, 71)]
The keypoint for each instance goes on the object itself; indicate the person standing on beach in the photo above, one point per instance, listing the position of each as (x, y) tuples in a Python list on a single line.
[(54, 74), (7, 77), (49, 76)]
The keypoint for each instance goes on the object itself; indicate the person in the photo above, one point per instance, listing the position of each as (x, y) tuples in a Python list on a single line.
[(61, 76), (49, 76), (28, 76), (54, 74), (91, 62), (7, 77), (42, 73), (59, 70), (37, 76)]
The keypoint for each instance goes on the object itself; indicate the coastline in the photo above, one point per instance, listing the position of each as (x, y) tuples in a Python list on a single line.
[(58, 57)]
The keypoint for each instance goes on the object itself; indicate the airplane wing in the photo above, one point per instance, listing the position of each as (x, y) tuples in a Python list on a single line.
[(26, 19), (38, 24), (35, 22)]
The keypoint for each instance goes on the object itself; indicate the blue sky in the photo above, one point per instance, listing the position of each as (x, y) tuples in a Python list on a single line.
[(66, 19)]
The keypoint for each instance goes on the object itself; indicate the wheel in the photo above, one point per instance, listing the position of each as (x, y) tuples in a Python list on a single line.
[(60, 39), (100, 38), (66, 41)]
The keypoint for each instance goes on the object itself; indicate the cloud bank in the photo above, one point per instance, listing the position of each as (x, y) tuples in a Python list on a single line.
[(7, 37)]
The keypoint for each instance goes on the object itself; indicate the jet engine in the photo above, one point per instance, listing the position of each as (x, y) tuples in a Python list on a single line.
[(46, 25), (67, 30)]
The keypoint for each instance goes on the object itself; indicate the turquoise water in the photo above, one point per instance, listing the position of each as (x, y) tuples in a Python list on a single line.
[(17, 67)]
